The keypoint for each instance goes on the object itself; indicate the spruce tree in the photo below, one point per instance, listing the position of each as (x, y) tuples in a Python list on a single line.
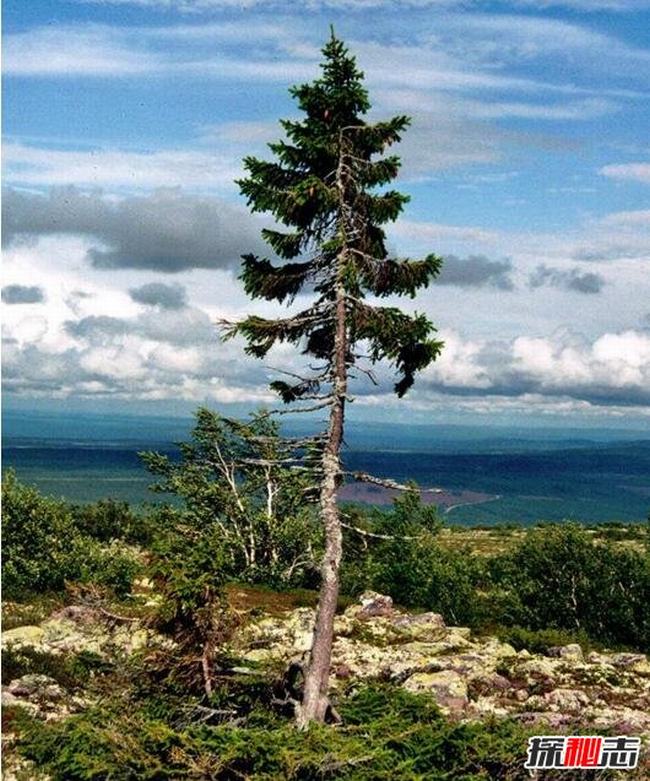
[(323, 186)]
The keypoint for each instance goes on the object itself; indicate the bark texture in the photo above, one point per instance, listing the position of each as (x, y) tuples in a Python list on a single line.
[(315, 701)]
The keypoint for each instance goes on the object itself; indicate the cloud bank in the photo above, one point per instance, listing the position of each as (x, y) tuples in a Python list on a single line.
[(476, 271), (168, 231)]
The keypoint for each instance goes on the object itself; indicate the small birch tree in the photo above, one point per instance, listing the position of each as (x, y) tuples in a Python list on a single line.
[(323, 186)]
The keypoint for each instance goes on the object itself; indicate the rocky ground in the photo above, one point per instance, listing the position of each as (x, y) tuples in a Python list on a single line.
[(470, 677)]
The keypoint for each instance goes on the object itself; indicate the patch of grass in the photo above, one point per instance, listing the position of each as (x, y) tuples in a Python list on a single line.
[(478, 541), (268, 601), (263, 599)]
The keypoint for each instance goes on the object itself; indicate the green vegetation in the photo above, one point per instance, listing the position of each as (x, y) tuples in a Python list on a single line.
[(181, 712), (564, 578), (557, 577), (540, 640), (397, 552), (108, 520), (189, 568), (46, 545), (233, 487), (73, 671), (388, 733)]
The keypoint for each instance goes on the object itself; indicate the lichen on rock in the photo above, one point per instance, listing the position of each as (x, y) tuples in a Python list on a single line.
[(470, 677)]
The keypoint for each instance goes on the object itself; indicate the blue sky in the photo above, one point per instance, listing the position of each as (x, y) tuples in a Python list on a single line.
[(528, 163)]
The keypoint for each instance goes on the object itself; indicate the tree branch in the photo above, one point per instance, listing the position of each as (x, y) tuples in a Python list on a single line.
[(364, 477)]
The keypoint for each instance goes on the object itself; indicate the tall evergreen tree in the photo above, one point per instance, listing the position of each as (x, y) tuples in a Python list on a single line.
[(323, 186)]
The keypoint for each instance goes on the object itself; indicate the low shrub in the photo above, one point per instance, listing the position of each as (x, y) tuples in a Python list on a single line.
[(39, 540), (44, 547), (388, 733), (558, 577), (114, 566), (540, 640), (398, 552), (109, 519)]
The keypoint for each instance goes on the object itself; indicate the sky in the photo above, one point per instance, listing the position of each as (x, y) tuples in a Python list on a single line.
[(527, 163)]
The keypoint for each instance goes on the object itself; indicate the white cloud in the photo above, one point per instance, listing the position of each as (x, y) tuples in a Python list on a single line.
[(589, 108), (517, 38), (91, 339), (199, 170), (491, 407), (637, 218), (177, 354), (614, 366), (615, 236), (459, 366), (455, 77), (431, 231), (29, 329), (592, 240), (204, 6), (92, 50), (622, 6), (199, 6), (469, 52), (637, 172), (612, 369)]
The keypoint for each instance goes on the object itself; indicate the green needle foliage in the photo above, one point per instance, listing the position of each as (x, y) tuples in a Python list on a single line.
[(322, 185)]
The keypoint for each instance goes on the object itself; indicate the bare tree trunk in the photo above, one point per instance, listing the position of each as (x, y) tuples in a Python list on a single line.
[(315, 702), (315, 698)]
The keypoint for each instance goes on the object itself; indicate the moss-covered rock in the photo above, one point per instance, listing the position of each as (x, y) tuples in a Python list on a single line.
[(468, 676), (23, 636)]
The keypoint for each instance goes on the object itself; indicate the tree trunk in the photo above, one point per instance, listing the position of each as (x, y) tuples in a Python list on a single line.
[(315, 698), (315, 702)]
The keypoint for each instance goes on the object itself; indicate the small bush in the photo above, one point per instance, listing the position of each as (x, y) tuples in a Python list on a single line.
[(540, 640), (39, 540), (108, 520), (44, 548), (400, 555), (114, 566), (189, 567)]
